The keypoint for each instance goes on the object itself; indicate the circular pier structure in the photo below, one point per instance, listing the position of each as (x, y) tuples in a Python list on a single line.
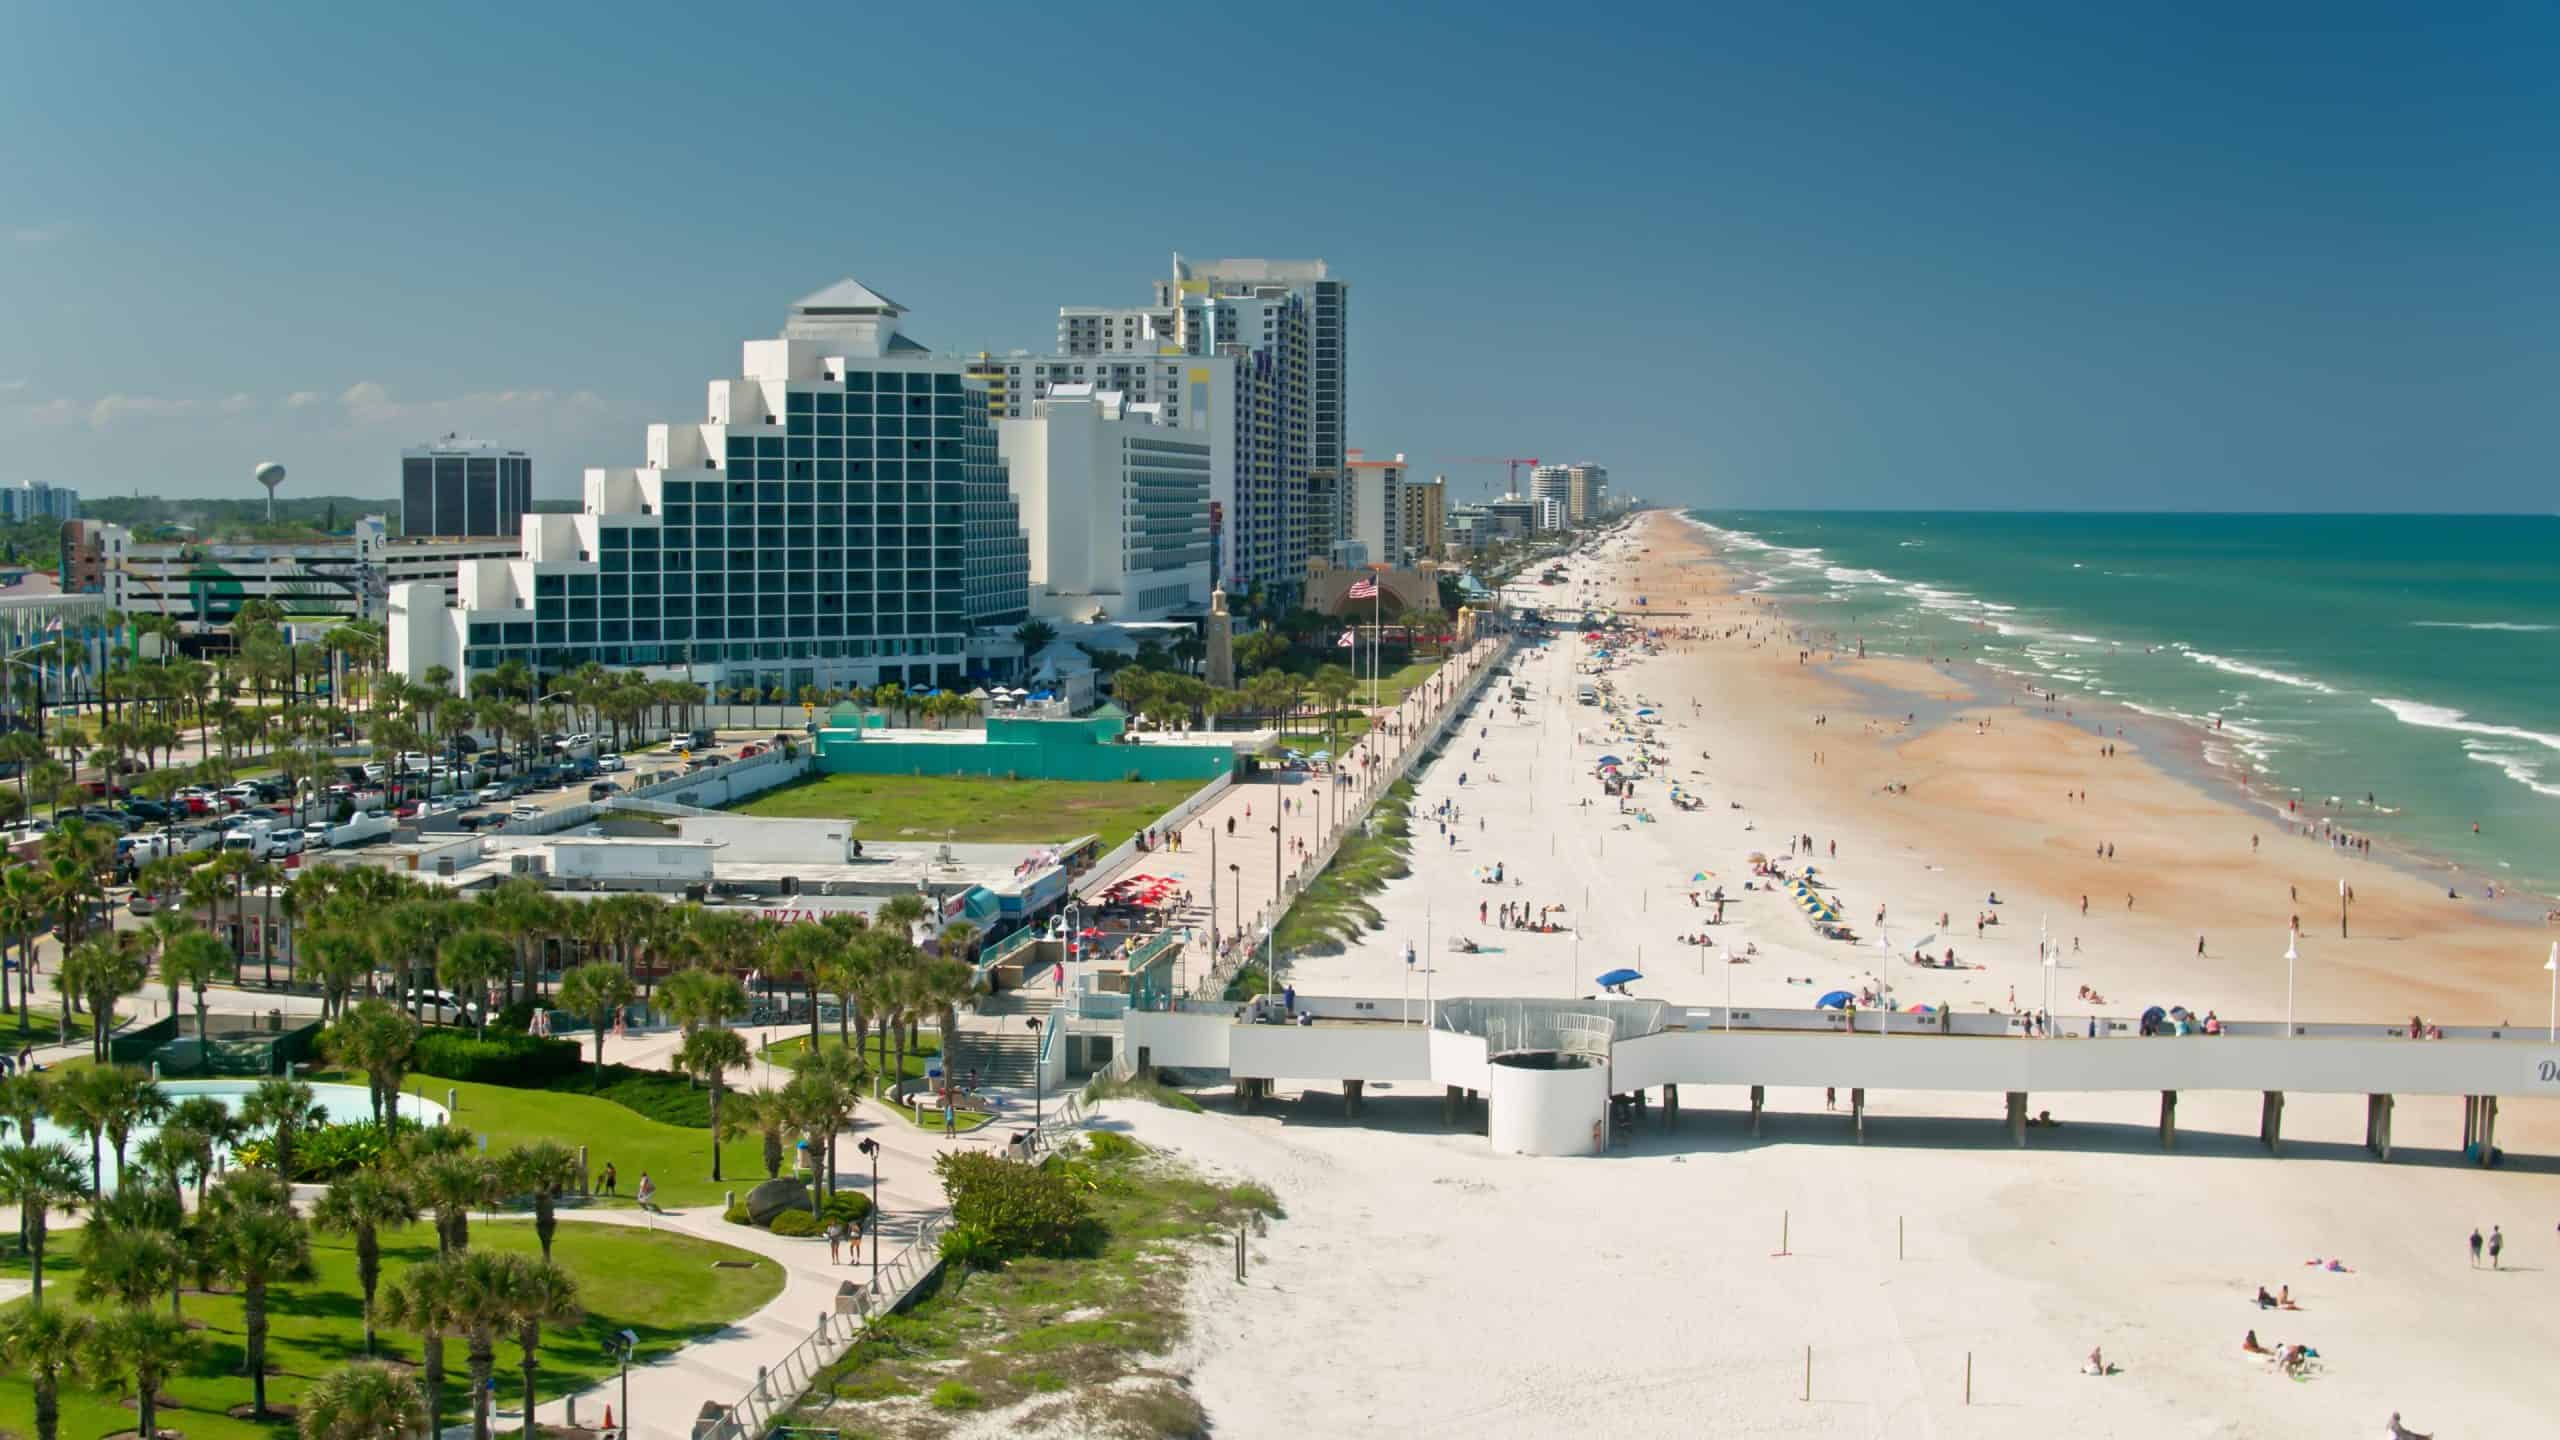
[(1547, 1102)]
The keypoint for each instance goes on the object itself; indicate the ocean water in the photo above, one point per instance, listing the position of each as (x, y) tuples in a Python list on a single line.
[(2415, 659)]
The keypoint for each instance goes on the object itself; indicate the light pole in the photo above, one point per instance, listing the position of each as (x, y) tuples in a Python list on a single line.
[(2553, 965), (2291, 954), (629, 1343), (1038, 1080), (1235, 875), (871, 1147)]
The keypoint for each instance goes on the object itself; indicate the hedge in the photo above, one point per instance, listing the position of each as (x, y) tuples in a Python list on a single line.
[(501, 1059)]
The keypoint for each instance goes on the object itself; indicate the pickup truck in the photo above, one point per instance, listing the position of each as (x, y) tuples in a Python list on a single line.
[(372, 825)]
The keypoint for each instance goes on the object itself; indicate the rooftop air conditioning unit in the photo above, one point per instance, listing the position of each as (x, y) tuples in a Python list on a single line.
[(528, 865), (444, 866)]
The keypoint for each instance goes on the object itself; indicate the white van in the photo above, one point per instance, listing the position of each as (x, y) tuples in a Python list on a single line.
[(1587, 694)]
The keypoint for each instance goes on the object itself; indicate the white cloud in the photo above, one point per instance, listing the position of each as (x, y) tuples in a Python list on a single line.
[(303, 399), (32, 235), (11, 387), (239, 403), (370, 402), (113, 409)]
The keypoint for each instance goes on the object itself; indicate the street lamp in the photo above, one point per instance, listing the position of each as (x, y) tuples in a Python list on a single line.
[(871, 1147), (627, 1342), (2553, 965), (1235, 875), (1038, 1080), (2290, 955)]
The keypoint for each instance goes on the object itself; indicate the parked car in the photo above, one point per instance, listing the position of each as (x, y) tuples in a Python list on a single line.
[(602, 789), (146, 810), (526, 811), (492, 794), (101, 815)]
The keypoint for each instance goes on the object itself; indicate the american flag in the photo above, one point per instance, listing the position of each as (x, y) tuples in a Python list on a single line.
[(1345, 642), (1363, 590)]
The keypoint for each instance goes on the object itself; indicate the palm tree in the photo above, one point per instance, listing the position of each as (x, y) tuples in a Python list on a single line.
[(365, 1400), (468, 963), (545, 1170), (44, 1345), (363, 1205), (453, 1185), (286, 1107), (81, 1101), (40, 1180), (25, 1096), (254, 1239), (202, 1126), (133, 1099), (756, 1111), (143, 1346), (701, 997), (596, 990), (540, 1293), (709, 1055), (196, 959), (101, 972), (374, 1037), (422, 1300), (487, 1293), (825, 1088), (134, 1247)]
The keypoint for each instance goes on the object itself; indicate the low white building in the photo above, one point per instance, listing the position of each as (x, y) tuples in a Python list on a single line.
[(1115, 503)]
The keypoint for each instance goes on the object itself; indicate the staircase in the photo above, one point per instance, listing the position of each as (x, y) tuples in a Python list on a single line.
[(999, 1044)]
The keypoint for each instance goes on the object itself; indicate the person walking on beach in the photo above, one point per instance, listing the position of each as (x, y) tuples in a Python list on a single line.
[(2475, 1247), (2497, 1245)]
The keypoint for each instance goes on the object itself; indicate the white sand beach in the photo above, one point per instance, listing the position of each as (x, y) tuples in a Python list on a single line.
[(1422, 1284)]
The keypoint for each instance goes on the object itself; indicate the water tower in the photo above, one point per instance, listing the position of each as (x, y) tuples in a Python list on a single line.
[(270, 475)]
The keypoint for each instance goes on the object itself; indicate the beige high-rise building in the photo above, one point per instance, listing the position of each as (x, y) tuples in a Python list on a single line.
[(1425, 516), (1586, 492)]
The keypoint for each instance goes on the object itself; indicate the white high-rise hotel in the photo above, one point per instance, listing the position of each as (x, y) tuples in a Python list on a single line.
[(1253, 351), (839, 518)]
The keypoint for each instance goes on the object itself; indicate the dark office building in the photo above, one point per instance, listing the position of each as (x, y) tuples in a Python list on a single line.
[(453, 489)]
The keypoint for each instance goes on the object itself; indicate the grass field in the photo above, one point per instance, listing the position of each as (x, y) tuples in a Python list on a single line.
[(661, 1286), (911, 807), (678, 1157)]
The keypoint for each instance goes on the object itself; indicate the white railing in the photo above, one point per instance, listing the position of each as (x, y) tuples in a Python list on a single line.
[(781, 1385)]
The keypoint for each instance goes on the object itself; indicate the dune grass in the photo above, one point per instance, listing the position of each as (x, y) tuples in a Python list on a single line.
[(661, 1286), (1334, 909)]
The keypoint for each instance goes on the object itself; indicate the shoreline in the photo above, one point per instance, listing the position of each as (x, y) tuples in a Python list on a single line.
[(2172, 735)]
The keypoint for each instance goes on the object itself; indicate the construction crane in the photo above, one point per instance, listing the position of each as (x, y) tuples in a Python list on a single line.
[(1512, 462)]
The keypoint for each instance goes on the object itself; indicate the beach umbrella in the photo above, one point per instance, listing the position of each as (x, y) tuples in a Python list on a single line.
[(1609, 760), (1619, 976), (1833, 1001), (2154, 1015), (1919, 1010)]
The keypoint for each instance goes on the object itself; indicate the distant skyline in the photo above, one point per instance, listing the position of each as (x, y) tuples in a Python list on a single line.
[(1973, 256)]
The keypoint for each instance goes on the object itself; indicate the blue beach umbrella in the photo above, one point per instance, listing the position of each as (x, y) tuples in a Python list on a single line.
[(1619, 976), (1837, 999)]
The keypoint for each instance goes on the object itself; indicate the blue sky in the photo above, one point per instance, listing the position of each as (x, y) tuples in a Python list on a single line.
[(1982, 256)]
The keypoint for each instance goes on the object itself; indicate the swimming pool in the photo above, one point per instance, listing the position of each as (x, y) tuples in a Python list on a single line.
[(337, 1104)]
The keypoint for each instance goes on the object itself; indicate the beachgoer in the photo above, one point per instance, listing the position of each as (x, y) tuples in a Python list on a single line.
[(2475, 1247), (835, 1243), (2249, 1344), (2097, 1361), (646, 1197), (2497, 1243), (606, 1184)]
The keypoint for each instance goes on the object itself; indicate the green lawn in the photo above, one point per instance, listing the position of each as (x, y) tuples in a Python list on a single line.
[(661, 1286), (912, 807), (677, 1157)]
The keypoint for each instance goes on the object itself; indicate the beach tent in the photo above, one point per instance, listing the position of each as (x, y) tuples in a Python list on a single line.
[(1833, 1001), (2154, 1015), (1619, 976)]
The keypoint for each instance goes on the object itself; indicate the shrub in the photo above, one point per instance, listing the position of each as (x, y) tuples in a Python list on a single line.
[(325, 1152), (501, 1059), (1022, 1209), (847, 1206), (796, 1224), (515, 1019), (952, 1395), (737, 1214), (1111, 1146)]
